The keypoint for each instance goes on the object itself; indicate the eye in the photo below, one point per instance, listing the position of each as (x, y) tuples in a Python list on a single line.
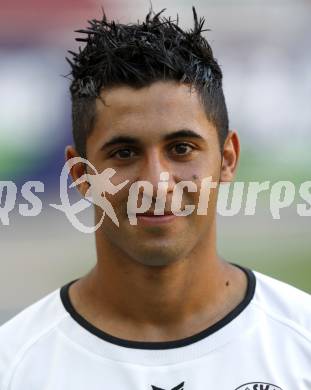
[(123, 154), (182, 148)]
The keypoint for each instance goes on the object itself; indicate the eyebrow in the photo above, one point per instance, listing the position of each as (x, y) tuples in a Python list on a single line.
[(119, 139)]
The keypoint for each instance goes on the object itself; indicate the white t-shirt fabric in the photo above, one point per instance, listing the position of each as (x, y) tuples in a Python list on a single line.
[(263, 344)]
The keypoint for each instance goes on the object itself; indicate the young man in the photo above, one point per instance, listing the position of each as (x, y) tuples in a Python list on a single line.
[(161, 309)]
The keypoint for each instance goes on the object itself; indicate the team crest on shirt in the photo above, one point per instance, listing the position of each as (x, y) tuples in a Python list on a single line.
[(258, 386), (178, 387), (246, 386)]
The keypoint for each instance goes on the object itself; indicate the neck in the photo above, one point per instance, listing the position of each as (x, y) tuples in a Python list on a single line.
[(187, 294)]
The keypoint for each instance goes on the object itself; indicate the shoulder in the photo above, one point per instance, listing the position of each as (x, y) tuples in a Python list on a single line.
[(23, 331), (284, 303)]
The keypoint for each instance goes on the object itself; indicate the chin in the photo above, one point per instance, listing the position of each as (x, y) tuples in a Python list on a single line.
[(157, 256), (155, 262)]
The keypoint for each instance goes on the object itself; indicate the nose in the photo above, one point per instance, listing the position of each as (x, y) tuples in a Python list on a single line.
[(156, 170)]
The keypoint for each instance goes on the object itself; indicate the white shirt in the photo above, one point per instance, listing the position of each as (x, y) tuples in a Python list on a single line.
[(263, 344)]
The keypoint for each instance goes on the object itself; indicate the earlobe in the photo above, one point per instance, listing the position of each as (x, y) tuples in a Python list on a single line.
[(77, 170), (226, 173), (231, 153)]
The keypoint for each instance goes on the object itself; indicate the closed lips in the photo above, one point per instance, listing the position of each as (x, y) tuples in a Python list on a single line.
[(153, 215)]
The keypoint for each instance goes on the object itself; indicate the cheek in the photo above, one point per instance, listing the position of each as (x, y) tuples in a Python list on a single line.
[(120, 198), (207, 164), (205, 188), (200, 176)]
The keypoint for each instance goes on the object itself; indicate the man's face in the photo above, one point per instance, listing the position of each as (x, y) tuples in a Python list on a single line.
[(150, 115)]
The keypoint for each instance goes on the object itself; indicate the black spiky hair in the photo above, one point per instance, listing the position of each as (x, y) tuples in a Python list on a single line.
[(137, 55)]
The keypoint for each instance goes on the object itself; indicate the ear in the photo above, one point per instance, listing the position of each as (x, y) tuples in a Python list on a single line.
[(230, 157), (77, 170)]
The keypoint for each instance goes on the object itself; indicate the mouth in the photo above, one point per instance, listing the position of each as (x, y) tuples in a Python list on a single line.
[(149, 218), (151, 214)]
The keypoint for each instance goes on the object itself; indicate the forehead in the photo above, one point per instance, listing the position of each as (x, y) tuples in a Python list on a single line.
[(161, 107)]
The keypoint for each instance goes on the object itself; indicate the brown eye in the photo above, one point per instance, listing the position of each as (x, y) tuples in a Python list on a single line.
[(123, 154), (182, 148)]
